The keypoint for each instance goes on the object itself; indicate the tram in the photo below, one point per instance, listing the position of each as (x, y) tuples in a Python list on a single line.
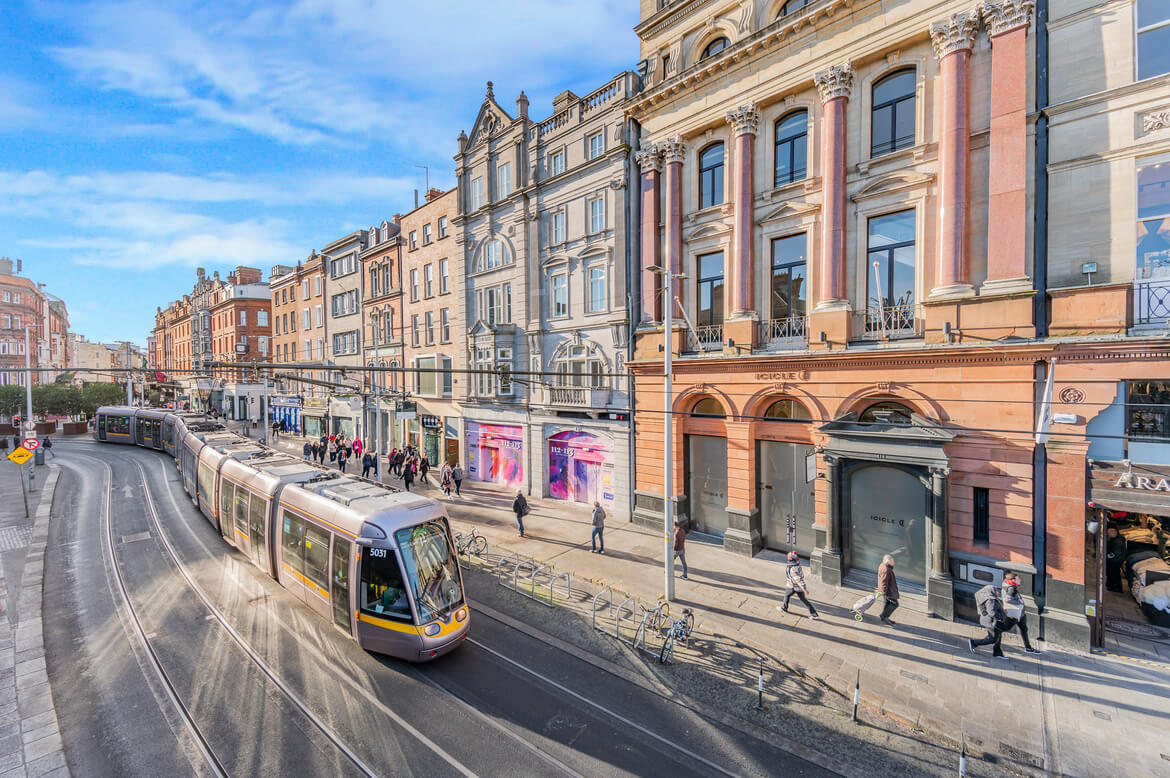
[(379, 564)]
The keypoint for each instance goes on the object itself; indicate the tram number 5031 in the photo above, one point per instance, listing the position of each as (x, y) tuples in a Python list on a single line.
[(381, 552)]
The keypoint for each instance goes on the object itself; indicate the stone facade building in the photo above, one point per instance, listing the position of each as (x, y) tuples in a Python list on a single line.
[(381, 271), (343, 320)]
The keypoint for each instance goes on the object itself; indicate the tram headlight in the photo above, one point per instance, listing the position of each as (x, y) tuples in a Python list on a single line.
[(432, 629), (461, 615)]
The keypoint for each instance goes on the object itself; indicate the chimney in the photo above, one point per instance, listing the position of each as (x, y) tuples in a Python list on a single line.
[(564, 100), (396, 218), (433, 193), (522, 105), (19, 265), (5, 266)]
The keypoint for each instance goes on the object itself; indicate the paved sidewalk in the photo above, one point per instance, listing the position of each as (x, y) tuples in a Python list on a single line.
[(30, 743), (1060, 713)]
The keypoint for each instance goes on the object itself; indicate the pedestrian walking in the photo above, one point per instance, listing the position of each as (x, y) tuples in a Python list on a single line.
[(888, 587), (1116, 548), (520, 508), (367, 465), (445, 479), (457, 477), (598, 534), (407, 474), (308, 450), (993, 618), (342, 458), (357, 446), (423, 466), (283, 426), (333, 450), (1013, 605), (680, 546), (794, 574)]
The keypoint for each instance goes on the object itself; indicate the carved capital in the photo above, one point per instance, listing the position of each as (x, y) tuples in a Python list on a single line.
[(837, 81), (745, 120), (955, 34), (649, 158), (1158, 120), (673, 150), (1006, 15)]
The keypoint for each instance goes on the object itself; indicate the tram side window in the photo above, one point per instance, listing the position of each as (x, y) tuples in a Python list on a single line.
[(240, 512), (227, 496), (206, 484), (102, 426), (291, 540), (119, 425), (256, 511), (317, 555), (383, 591)]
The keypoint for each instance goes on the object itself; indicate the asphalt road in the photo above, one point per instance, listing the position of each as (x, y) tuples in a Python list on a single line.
[(503, 704)]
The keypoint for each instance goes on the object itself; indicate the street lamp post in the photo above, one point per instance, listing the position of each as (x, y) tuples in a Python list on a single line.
[(30, 423), (668, 432)]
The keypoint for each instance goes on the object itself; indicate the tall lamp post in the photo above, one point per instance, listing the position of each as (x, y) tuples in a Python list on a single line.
[(377, 376), (668, 433)]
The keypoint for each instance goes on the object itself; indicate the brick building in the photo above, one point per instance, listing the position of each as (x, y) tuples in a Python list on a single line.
[(299, 335), (25, 304), (382, 312)]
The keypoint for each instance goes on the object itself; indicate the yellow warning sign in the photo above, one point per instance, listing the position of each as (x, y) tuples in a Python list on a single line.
[(20, 455)]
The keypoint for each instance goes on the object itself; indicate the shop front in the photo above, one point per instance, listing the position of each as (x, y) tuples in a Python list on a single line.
[(581, 468), (495, 453), (313, 413), (429, 438), (451, 440), (287, 410), (1128, 528), (345, 416)]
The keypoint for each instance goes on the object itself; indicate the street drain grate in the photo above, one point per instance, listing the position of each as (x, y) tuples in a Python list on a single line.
[(914, 676), (1019, 755), (136, 536), (1102, 716)]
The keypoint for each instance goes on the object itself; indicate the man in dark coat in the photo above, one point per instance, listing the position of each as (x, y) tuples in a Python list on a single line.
[(1115, 552), (888, 587), (989, 602), (520, 508)]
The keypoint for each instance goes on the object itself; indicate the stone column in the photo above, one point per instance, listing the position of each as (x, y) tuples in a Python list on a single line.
[(673, 151), (745, 122), (952, 41), (835, 86), (649, 160), (940, 596), (829, 559), (1007, 200)]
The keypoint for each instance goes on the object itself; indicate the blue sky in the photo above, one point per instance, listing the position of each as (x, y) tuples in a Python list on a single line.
[(139, 140)]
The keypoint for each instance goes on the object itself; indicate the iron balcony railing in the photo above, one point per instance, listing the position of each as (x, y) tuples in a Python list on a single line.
[(1151, 302), (787, 329), (891, 320), (708, 337)]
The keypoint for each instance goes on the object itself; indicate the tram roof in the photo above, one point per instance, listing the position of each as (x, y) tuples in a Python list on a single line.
[(355, 502)]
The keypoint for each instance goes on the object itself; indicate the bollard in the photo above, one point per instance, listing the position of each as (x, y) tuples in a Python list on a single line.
[(963, 758), (760, 687), (856, 695)]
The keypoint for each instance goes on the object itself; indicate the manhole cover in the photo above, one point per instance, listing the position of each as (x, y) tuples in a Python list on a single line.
[(1137, 629)]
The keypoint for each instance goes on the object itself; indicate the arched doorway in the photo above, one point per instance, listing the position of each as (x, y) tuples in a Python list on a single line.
[(706, 466), (785, 478), (889, 513)]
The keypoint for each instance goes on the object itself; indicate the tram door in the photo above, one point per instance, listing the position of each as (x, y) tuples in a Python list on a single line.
[(339, 584), (256, 514)]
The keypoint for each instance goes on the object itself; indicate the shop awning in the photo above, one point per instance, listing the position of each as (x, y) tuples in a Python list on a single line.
[(1133, 487)]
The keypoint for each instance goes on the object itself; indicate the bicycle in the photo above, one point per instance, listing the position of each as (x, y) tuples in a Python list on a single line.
[(658, 617), (678, 629), (471, 544)]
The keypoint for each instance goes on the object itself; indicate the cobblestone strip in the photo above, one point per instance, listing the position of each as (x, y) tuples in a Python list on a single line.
[(30, 742)]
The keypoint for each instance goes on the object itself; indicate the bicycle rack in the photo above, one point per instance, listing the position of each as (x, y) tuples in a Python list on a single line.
[(617, 630), (503, 561), (608, 603), (568, 586)]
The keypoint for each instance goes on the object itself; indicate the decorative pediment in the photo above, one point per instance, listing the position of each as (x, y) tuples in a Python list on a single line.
[(709, 230), (789, 210), (892, 182), (490, 120), (480, 327)]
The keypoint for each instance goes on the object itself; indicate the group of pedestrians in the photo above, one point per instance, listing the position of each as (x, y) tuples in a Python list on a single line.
[(451, 479), (340, 450)]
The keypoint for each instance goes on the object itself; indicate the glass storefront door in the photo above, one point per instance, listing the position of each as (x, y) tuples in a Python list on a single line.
[(786, 495), (707, 483), (888, 514)]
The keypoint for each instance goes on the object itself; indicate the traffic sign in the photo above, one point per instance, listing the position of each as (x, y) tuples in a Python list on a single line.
[(20, 455), (32, 444)]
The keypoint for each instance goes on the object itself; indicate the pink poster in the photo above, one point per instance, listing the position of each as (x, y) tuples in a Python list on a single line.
[(496, 453), (580, 468)]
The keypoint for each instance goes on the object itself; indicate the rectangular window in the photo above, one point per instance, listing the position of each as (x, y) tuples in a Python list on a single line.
[(444, 276), (495, 305), (413, 240), (308, 349), (597, 289), (442, 226), (789, 276), (448, 382), (1152, 267), (429, 280), (560, 295), (558, 227), (1153, 38), (414, 329), (243, 318), (413, 284), (292, 541), (503, 180), (262, 345), (710, 290), (1147, 410), (444, 326), (318, 316), (383, 591), (430, 322), (597, 215), (305, 289), (891, 249), (305, 319), (556, 163), (283, 296), (596, 145), (425, 379), (504, 371), (426, 234), (484, 374), (982, 515), (476, 193), (318, 281), (262, 319)]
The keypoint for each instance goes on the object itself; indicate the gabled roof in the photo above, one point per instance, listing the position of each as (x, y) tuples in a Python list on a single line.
[(490, 119)]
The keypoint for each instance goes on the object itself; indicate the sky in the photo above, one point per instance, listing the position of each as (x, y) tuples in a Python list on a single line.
[(140, 140)]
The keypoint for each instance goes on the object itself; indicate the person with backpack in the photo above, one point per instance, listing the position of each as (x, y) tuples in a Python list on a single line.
[(342, 458), (367, 465), (796, 585), (407, 474), (457, 477), (520, 508), (888, 587), (1013, 605), (993, 618), (598, 534)]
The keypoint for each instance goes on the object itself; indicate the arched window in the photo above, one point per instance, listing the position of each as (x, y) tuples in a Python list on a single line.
[(787, 410), (792, 148), (714, 47), (576, 367), (886, 412), (494, 255), (711, 175), (792, 6), (709, 407), (893, 113)]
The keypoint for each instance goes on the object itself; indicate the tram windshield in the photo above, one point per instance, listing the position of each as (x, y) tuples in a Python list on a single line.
[(431, 569)]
